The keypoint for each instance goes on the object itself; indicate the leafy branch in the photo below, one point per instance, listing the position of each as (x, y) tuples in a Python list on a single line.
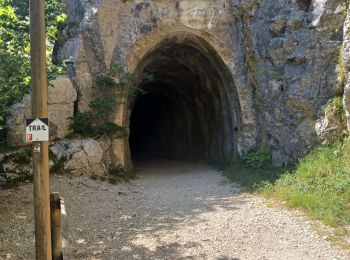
[(15, 51)]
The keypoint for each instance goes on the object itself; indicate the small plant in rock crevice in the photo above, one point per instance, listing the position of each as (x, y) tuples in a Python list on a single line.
[(22, 156), (336, 122), (336, 107), (341, 69), (258, 158)]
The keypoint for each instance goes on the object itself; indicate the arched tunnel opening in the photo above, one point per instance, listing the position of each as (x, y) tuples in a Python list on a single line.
[(189, 110)]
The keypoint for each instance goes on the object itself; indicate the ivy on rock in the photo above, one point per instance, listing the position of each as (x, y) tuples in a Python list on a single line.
[(115, 84)]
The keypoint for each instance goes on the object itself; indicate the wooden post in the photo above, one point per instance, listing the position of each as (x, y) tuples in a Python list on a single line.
[(39, 109), (56, 224)]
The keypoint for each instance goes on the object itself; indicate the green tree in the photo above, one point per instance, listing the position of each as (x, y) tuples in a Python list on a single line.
[(15, 50)]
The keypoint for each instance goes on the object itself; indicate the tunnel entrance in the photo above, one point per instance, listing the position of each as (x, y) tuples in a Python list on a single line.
[(190, 109)]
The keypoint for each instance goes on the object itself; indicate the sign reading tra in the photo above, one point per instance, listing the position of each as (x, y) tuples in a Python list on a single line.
[(37, 129)]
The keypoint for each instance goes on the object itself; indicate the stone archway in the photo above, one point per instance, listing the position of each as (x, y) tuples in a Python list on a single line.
[(191, 108), (186, 111)]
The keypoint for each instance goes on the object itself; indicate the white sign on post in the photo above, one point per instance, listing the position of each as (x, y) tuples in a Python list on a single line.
[(37, 130)]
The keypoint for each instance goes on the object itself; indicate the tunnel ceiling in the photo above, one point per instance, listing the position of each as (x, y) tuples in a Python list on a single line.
[(185, 112)]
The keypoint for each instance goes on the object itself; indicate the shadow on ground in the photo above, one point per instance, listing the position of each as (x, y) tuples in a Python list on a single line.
[(147, 218)]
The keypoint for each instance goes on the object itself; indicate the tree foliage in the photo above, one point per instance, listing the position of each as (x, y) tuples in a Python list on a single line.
[(15, 50)]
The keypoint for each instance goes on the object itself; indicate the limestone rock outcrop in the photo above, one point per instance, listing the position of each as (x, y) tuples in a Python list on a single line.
[(80, 157), (229, 76), (282, 57), (16, 122), (61, 98), (346, 69)]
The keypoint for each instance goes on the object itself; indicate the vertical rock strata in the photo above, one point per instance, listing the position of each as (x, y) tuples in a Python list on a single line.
[(346, 63)]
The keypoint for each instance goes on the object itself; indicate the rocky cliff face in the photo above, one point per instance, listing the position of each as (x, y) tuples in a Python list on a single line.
[(229, 75), (346, 65), (294, 48)]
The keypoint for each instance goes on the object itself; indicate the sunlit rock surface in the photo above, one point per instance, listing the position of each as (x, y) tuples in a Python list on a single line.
[(228, 76)]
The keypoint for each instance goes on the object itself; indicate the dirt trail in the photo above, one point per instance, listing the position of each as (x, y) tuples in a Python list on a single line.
[(175, 210)]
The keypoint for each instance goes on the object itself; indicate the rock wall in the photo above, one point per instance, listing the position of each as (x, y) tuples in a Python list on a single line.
[(346, 69), (294, 49), (277, 62), (81, 157), (61, 98)]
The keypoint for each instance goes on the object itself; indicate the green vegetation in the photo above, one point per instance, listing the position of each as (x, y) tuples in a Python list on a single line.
[(94, 122), (335, 113), (319, 183), (6, 149), (115, 84), (253, 170), (19, 156), (15, 51), (336, 107), (121, 79), (341, 68), (250, 178), (257, 159), (22, 156)]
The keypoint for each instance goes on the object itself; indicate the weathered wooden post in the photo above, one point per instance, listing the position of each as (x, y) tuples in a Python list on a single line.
[(40, 110), (56, 224)]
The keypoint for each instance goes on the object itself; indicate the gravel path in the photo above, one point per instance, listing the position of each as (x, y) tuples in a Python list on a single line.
[(175, 210)]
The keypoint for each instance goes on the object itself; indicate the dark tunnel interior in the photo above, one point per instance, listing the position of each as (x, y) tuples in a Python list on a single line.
[(185, 111)]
